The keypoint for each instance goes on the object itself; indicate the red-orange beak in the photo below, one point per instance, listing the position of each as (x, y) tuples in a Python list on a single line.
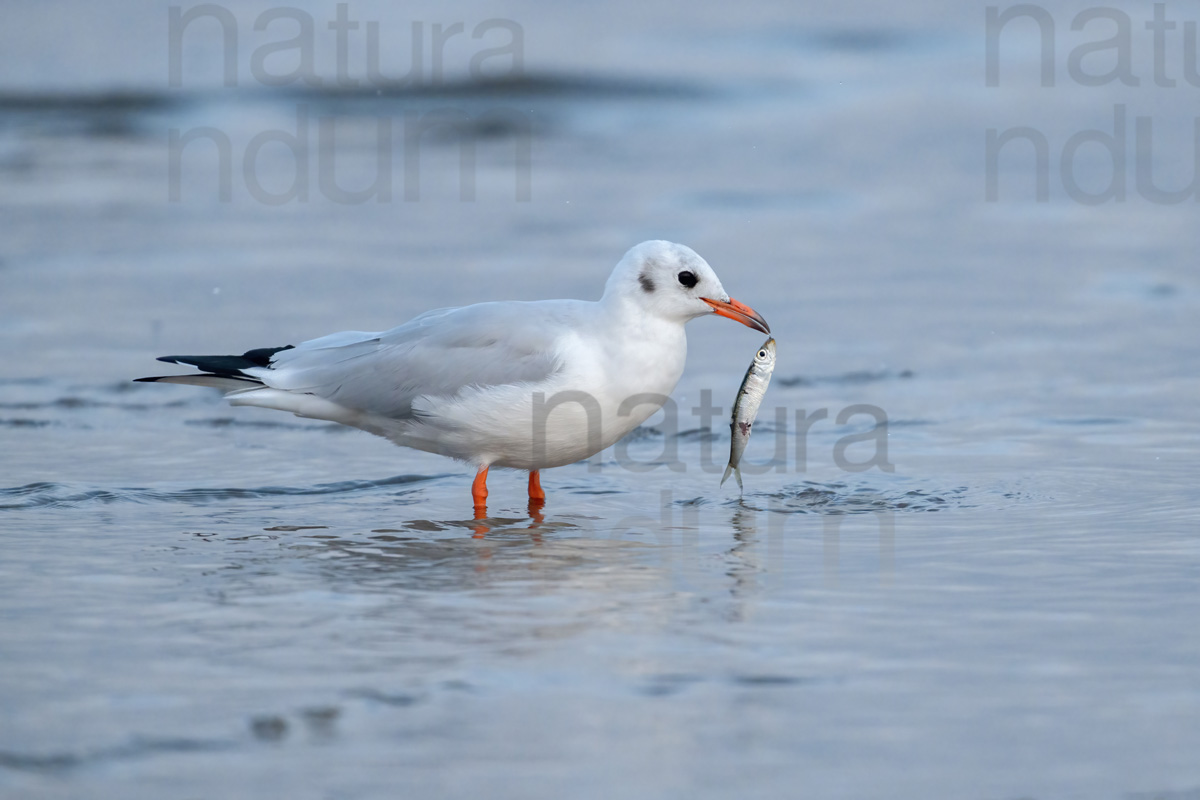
[(740, 312)]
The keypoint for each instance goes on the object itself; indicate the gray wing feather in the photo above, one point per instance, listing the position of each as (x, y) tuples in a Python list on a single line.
[(436, 355)]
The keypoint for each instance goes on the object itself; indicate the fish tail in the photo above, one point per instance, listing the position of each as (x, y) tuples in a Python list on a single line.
[(737, 474)]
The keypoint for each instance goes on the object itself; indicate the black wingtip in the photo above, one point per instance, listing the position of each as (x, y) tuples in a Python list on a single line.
[(262, 356), (229, 366)]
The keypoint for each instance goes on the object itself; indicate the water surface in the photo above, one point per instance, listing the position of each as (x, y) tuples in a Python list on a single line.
[(239, 603)]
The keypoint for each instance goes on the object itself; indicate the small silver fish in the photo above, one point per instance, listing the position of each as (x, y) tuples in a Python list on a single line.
[(745, 406)]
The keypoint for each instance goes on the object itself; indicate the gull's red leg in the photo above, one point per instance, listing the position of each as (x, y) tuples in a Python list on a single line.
[(479, 489), (535, 487), (479, 497), (537, 499)]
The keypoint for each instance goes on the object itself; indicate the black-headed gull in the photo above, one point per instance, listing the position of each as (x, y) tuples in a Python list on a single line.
[(528, 385)]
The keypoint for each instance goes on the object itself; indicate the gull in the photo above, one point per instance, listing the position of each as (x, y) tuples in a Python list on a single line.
[(525, 385)]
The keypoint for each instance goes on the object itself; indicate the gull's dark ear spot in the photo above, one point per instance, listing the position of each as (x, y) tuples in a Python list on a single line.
[(646, 282)]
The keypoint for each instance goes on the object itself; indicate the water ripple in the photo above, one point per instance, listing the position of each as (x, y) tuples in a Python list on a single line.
[(137, 748), (60, 495), (845, 379), (72, 403), (838, 498)]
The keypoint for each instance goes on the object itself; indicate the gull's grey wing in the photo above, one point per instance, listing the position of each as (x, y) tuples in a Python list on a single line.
[(435, 355)]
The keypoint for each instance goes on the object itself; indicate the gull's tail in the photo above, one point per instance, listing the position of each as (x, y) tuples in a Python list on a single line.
[(737, 473), (221, 372)]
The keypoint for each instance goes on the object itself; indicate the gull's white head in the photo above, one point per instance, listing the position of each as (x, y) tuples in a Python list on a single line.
[(671, 281)]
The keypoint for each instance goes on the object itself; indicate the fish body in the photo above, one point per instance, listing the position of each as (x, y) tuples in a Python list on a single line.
[(745, 407)]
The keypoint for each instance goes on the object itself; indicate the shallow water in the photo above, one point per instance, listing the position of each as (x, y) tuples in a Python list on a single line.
[(238, 603)]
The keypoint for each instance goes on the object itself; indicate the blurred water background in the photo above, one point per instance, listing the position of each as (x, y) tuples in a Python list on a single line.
[(200, 601)]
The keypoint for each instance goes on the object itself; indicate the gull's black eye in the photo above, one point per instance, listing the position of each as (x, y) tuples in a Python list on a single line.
[(688, 279)]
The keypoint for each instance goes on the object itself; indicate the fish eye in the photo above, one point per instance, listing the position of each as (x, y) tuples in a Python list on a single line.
[(687, 278), (762, 353)]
